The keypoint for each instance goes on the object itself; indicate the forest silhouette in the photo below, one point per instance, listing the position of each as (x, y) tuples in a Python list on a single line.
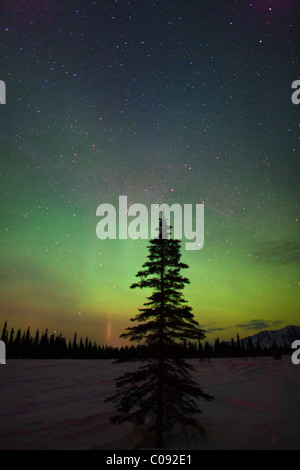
[(43, 345)]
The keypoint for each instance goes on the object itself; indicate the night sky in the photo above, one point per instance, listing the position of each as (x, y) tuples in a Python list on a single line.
[(163, 101)]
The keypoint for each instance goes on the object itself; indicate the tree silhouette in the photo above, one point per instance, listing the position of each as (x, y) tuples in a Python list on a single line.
[(161, 392), (4, 336)]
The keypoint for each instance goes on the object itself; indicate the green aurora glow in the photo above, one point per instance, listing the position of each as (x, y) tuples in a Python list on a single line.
[(197, 112)]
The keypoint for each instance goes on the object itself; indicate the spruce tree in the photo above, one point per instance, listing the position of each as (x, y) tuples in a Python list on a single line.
[(4, 336), (161, 392)]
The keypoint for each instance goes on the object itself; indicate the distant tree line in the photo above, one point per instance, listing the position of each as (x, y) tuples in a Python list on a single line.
[(43, 345), (243, 348)]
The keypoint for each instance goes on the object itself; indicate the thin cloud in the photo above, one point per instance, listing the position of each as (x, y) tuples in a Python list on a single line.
[(212, 330), (258, 324), (278, 252)]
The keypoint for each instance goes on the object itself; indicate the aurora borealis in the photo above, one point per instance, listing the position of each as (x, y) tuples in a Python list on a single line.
[(183, 102)]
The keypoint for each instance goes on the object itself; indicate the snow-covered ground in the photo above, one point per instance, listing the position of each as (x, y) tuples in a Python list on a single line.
[(52, 404)]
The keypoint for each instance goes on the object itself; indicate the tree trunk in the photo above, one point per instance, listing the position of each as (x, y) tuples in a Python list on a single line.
[(161, 365), (160, 404)]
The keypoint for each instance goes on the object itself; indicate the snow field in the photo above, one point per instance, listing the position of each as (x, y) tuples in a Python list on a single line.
[(52, 404)]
